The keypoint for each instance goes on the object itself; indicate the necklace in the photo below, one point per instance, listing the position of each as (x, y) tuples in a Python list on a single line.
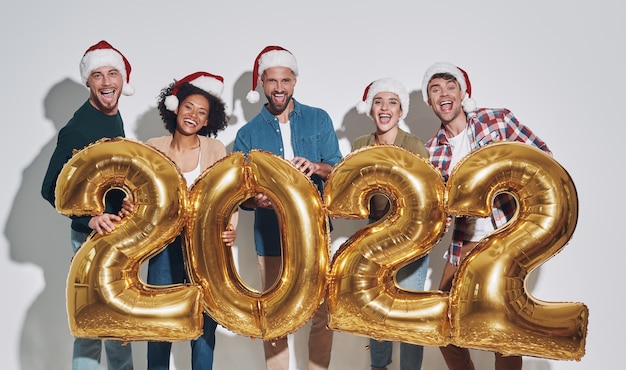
[(197, 146)]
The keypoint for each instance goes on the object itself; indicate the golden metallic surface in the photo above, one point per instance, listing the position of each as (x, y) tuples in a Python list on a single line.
[(105, 296), (301, 287), (490, 307), (362, 295)]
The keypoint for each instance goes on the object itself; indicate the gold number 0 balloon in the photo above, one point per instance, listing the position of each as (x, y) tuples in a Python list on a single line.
[(489, 305), (105, 297), (362, 295), (300, 289)]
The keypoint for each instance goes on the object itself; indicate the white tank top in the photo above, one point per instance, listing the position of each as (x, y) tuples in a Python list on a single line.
[(477, 228), (285, 132), (192, 175)]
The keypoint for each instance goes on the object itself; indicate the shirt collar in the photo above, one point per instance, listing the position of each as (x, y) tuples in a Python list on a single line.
[(269, 117)]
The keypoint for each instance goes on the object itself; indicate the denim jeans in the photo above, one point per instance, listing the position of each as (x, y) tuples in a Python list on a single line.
[(410, 277), (168, 267), (87, 351)]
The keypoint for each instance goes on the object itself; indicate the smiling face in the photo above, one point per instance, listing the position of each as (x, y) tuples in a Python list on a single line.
[(386, 112), (278, 85), (105, 87), (445, 97), (192, 114)]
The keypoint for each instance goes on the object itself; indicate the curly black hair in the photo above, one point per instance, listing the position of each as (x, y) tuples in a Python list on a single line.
[(217, 111)]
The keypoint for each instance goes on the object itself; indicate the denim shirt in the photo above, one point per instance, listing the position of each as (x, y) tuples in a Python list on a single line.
[(312, 137)]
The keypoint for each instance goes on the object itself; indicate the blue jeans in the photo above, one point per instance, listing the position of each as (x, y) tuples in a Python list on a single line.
[(87, 351), (168, 267), (410, 277)]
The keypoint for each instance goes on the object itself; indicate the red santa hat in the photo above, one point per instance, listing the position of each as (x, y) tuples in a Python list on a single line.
[(383, 85), (271, 56), (212, 84), (103, 54), (459, 74)]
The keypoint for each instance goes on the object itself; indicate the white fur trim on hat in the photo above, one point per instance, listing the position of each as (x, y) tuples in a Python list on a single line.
[(462, 78), (102, 55), (210, 83), (269, 57), (384, 85), (278, 58)]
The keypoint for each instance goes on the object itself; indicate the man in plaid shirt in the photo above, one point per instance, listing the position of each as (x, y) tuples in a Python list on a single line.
[(446, 89)]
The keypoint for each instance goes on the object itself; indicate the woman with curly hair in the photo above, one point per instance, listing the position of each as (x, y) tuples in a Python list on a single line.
[(192, 110)]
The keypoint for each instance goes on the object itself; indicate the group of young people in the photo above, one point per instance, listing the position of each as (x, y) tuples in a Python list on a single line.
[(193, 112)]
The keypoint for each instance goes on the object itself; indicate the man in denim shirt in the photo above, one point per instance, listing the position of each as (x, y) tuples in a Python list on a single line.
[(305, 136)]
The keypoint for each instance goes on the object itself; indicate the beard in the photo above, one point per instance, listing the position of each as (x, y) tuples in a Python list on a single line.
[(277, 108)]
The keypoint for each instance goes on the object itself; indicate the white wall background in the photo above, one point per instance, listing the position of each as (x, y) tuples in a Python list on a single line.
[(558, 65)]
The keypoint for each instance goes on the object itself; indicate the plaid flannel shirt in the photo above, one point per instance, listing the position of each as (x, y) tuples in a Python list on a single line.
[(485, 126)]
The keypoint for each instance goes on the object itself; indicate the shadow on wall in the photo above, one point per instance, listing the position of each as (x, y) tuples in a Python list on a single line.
[(242, 110), (45, 341)]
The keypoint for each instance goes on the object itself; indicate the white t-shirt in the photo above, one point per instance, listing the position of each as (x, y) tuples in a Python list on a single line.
[(192, 175), (477, 228), (285, 132)]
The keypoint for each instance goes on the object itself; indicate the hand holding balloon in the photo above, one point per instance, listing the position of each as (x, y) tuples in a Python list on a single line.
[(128, 207), (304, 165), (229, 236), (105, 296), (490, 307)]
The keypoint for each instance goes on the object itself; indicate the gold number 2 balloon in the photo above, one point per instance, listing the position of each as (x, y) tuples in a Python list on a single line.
[(105, 296), (363, 297), (301, 287), (489, 306)]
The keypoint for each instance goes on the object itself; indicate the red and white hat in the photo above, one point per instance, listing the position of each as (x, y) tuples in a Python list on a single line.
[(383, 85), (271, 56), (103, 54), (462, 78), (212, 84)]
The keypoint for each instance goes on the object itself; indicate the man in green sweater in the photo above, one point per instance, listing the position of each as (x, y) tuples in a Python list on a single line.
[(106, 72)]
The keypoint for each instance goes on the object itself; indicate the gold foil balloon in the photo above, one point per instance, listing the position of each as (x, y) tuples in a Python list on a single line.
[(105, 296), (362, 295), (489, 306), (301, 287)]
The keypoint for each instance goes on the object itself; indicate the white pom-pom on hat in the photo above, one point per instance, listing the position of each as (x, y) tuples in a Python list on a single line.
[(103, 54), (212, 84), (270, 56), (171, 102), (253, 96), (459, 74), (383, 85), (361, 107)]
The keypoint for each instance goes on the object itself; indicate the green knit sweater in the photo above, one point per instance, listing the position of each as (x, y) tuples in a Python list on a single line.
[(87, 126)]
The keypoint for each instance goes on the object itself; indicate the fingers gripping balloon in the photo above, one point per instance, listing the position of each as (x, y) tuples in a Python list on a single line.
[(105, 296), (293, 300), (489, 305)]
